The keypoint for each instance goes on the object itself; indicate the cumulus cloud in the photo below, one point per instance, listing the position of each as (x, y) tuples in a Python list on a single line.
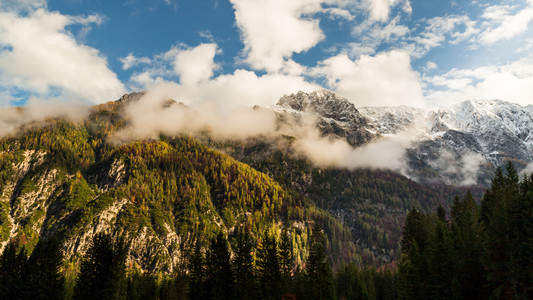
[(501, 24), (194, 64), (272, 30), (511, 82), (380, 80), (40, 56), (226, 92), (379, 10)]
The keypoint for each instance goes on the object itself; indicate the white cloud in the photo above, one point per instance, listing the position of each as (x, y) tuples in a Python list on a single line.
[(242, 88), (438, 29), (374, 34), (510, 82), (130, 61), (430, 65), (21, 5), (40, 56), (380, 9), (272, 30), (501, 24), (380, 80), (338, 13), (194, 64)]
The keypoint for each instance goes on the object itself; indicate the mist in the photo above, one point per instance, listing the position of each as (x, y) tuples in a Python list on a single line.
[(465, 170), (151, 116), (37, 110)]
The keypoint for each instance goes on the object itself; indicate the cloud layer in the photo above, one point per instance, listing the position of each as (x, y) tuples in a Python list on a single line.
[(39, 56)]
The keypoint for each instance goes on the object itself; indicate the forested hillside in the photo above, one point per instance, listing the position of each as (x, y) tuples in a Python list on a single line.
[(372, 203), (65, 180)]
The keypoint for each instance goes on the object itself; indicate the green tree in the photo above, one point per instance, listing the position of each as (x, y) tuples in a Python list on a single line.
[(243, 266), (497, 213), (467, 233), (42, 274), (268, 267), (102, 271), (441, 260), (12, 262), (219, 274), (197, 276), (286, 261), (319, 275)]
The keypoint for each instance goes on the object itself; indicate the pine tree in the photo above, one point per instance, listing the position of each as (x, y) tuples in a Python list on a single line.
[(496, 210), (268, 268), (521, 223), (319, 275), (12, 262), (413, 268), (197, 276), (42, 274), (102, 271), (467, 236), (286, 261), (441, 261), (219, 275), (243, 266)]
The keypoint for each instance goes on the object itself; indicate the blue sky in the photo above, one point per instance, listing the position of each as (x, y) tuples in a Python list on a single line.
[(246, 52)]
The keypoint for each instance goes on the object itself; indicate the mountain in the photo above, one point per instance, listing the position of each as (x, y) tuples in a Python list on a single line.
[(71, 180), (66, 180), (459, 145)]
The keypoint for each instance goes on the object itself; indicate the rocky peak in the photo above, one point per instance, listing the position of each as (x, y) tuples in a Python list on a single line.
[(324, 103), (131, 97)]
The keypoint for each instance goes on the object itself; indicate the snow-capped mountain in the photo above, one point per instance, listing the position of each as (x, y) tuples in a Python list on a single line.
[(461, 144), (336, 115)]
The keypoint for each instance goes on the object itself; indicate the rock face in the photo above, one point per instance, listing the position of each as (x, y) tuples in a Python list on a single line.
[(336, 115), (461, 144)]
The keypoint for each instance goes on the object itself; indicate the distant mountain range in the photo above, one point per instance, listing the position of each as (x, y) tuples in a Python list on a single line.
[(459, 145)]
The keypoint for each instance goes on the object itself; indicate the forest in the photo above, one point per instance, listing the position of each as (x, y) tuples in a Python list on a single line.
[(474, 251)]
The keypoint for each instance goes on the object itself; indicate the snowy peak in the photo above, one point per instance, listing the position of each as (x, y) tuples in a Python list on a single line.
[(478, 116), (324, 103), (392, 119), (459, 144)]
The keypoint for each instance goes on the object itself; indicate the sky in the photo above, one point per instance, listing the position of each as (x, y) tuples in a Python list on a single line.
[(232, 53)]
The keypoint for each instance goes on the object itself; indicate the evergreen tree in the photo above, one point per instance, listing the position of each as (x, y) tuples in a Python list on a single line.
[(12, 262), (219, 274), (319, 275), (467, 236), (268, 268), (497, 259), (197, 276), (42, 274), (411, 283), (521, 227), (102, 271), (413, 268), (441, 261), (349, 285), (243, 266), (286, 261)]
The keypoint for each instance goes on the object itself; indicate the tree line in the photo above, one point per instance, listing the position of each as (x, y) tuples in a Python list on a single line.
[(477, 252)]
